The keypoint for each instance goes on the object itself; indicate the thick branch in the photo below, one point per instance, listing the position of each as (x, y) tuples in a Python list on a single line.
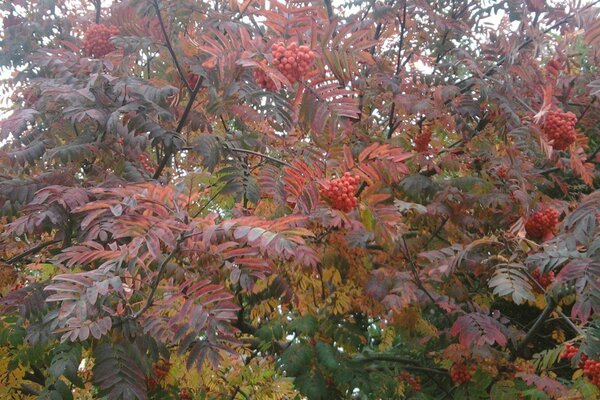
[(410, 365), (536, 327)]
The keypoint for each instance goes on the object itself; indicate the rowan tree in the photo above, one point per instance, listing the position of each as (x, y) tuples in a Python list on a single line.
[(266, 200)]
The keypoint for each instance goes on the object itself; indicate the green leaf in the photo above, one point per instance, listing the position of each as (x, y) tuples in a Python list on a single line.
[(306, 325), (327, 356), (296, 359)]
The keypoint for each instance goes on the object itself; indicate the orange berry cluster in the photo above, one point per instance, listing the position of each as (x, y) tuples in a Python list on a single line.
[(413, 381), (146, 164), (160, 370), (96, 42), (590, 367), (460, 373), (542, 223), (422, 141), (342, 191), (262, 79), (544, 280), (559, 127), (292, 60)]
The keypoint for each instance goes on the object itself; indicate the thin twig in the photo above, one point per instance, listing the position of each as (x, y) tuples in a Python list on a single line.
[(392, 123), (169, 46), (418, 281), (170, 150), (161, 270)]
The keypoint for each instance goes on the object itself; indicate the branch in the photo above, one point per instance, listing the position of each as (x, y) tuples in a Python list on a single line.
[(266, 157), (170, 150), (392, 124), (536, 327), (329, 9), (412, 365), (170, 47), (98, 5), (418, 281), (31, 250), (159, 275)]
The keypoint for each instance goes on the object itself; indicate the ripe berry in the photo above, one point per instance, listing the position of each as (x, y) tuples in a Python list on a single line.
[(459, 373), (413, 381), (341, 192), (559, 128), (96, 42), (292, 61), (145, 162), (544, 280), (262, 79), (502, 172), (569, 352), (542, 223)]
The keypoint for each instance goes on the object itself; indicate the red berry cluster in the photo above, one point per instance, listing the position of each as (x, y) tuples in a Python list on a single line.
[(590, 367), (292, 60), (342, 191), (96, 42), (559, 127), (413, 381), (502, 172), (544, 280), (423, 139), (542, 223), (262, 79), (569, 352), (160, 370), (146, 164), (460, 373)]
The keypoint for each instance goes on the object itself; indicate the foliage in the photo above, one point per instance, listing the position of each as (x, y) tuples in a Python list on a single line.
[(210, 200)]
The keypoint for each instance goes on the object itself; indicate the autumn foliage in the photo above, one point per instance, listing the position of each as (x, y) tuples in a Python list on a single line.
[(236, 200)]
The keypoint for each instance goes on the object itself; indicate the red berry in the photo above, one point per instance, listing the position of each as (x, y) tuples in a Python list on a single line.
[(460, 374), (262, 79), (544, 280), (542, 223), (96, 42), (559, 128), (293, 61), (341, 192)]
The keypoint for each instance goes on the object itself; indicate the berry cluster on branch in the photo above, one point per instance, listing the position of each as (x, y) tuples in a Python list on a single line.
[(559, 128), (590, 367), (413, 381), (262, 79), (544, 280), (96, 42), (341, 192), (292, 60), (146, 163), (460, 373), (542, 223)]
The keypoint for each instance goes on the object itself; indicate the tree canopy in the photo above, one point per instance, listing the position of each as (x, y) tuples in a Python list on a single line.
[(392, 199)]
